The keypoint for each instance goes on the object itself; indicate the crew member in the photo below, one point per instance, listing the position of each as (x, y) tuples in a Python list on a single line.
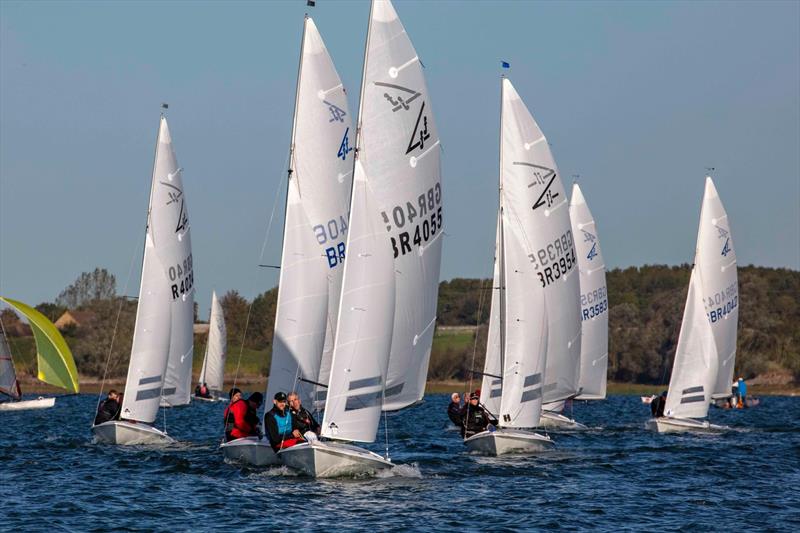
[(475, 419), (279, 423), (455, 409), (109, 408), (303, 420), (657, 405), (742, 393), (202, 391)]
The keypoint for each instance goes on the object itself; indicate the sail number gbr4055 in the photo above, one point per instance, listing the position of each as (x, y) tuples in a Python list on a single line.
[(417, 222)]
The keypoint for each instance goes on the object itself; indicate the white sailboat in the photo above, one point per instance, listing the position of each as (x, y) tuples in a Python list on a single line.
[(213, 371), (519, 329), (315, 232), (389, 290), (167, 281), (593, 313), (712, 298), (54, 361)]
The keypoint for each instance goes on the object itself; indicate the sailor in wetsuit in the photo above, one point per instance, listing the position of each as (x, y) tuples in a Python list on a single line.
[(108, 409), (303, 420), (455, 410), (475, 419), (657, 405)]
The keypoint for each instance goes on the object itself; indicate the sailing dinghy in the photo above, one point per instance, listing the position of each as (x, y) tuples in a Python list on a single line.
[(166, 284), (707, 340), (519, 322), (387, 308), (314, 236), (593, 313), (213, 370), (54, 361)]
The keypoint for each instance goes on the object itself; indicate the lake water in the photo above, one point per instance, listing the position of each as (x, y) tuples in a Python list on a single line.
[(615, 476)]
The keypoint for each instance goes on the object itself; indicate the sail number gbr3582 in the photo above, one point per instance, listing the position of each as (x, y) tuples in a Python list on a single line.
[(418, 221)]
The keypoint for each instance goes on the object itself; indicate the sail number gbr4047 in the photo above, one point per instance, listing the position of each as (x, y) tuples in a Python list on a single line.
[(417, 222)]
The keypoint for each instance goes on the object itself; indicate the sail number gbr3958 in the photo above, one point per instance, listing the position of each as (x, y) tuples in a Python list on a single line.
[(418, 221)]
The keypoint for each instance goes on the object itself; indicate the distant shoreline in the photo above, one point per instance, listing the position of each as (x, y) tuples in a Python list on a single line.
[(257, 383)]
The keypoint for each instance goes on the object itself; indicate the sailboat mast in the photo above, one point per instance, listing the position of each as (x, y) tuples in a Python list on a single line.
[(502, 248), (363, 84)]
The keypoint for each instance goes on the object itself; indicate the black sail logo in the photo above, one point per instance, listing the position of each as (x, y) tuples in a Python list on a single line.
[(542, 176), (175, 196), (421, 133)]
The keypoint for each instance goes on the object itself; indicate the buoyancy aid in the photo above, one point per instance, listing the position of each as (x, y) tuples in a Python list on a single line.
[(284, 423)]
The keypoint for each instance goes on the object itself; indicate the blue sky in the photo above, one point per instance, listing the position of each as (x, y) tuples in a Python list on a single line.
[(636, 97)]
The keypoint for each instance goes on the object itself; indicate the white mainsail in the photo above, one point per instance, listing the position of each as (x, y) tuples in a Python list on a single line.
[(400, 152), (170, 219), (716, 263), (315, 228), (593, 302), (8, 375), (694, 371), (213, 371), (366, 315), (151, 335), (548, 239)]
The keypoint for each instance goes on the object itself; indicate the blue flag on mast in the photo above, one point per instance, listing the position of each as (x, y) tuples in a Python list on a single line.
[(505, 64)]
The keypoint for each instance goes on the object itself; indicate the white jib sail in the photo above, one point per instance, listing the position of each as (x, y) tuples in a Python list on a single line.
[(400, 149), (549, 242), (171, 233), (492, 382), (524, 325), (151, 333), (213, 371), (716, 260), (364, 328), (594, 300), (315, 229), (694, 370), (8, 376)]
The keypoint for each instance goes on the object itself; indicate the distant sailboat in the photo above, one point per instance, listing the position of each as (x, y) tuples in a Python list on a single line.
[(167, 284), (518, 336), (54, 361), (593, 313), (388, 302), (212, 372), (314, 237), (712, 300)]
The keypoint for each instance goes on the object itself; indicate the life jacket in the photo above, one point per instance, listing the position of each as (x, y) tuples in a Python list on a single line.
[(230, 421), (284, 422)]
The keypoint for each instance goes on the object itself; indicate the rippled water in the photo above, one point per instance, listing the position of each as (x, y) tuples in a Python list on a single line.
[(614, 476)]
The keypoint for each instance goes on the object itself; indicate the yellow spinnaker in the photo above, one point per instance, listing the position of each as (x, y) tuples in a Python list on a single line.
[(56, 365)]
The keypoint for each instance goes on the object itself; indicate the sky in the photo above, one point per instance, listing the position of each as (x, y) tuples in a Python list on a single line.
[(636, 98)]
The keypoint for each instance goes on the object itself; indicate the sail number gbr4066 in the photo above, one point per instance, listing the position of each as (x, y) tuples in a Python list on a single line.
[(417, 222)]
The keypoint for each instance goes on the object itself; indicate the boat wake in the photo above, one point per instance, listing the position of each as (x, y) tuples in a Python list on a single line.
[(410, 470)]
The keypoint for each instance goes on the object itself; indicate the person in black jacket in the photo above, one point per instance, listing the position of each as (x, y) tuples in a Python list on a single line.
[(475, 418), (657, 405), (455, 410), (279, 424), (108, 409), (303, 420)]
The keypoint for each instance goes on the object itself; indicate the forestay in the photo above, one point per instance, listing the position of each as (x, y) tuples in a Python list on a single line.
[(716, 263), (364, 329), (593, 302), (316, 226), (213, 371), (399, 146), (547, 237), (695, 368), (151, 335), (8, 376), (54, 361)]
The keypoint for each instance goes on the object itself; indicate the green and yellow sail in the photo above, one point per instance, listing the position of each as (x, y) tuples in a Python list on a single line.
[(54, 358)]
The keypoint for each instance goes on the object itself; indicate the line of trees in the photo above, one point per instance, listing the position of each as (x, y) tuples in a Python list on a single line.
[(646, 307)]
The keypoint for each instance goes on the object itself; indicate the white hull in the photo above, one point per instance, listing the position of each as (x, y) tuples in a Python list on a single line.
[(681, 425), (39, 403), (124, 433), (503, 441), (211, 400), (332, 459), (250, 450), (558, 421), (648, 399)]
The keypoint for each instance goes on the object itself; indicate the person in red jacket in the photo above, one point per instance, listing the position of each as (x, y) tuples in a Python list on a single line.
[(241, 418)]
